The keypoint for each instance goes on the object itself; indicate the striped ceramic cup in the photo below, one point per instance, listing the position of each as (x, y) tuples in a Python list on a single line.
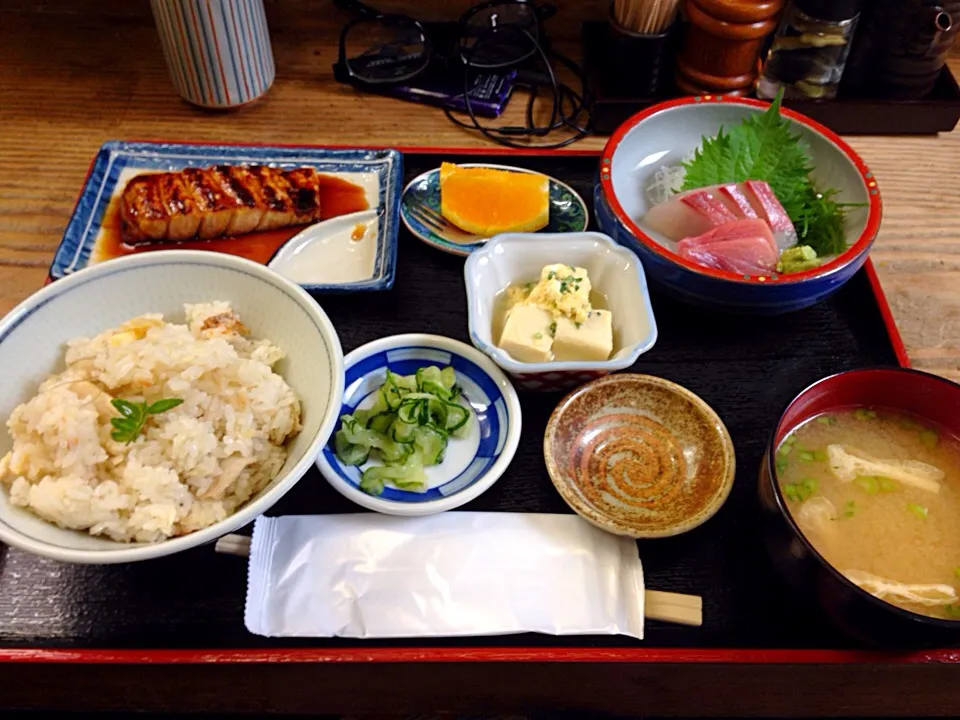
[(218, 51)]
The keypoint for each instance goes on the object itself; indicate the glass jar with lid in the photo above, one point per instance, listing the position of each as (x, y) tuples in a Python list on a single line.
[(810, 49)]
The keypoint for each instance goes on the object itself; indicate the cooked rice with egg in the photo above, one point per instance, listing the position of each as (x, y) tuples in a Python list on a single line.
[(191, 466)]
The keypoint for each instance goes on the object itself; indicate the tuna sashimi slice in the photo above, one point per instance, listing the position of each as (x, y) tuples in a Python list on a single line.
[(676, 220), (707, 204), (688, 214), (768, 207), (741, 246), (749, 256), (695, 212), (735, 230), (737, 200)]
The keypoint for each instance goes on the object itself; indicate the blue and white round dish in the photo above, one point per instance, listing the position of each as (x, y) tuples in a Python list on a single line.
[(568, 212), (471, 464)]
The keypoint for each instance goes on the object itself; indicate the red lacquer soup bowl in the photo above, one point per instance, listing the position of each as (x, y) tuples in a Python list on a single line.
[(855, 611)]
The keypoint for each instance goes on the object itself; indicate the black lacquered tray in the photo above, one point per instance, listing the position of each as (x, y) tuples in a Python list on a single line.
[(746, 368)]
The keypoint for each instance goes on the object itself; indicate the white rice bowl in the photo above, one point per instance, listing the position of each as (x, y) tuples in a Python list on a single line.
[(35, 338), (191, 466)]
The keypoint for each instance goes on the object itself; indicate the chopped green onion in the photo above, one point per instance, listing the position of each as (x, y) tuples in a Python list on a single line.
[(789, 440), (782, 465), (887, 484), (806, 456), (850, 509), (800, 491), (827, 420), (538, 336), (956, 571), (952, 611), (868, 483), (929, 438), (820, 455), (864, 414), (808, 486), (918, 510), (908, 424)]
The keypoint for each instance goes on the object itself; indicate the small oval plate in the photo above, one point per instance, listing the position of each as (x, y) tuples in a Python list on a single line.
[(568, 212), (330, 252), (471, 464)]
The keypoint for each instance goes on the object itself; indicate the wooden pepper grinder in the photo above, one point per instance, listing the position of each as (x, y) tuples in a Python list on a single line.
[(722, 46)]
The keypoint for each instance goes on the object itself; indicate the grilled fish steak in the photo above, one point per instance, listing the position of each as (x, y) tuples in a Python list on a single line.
[(222, 200)]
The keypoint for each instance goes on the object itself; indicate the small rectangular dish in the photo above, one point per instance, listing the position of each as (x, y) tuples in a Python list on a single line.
[(348, 180), (517, 258)]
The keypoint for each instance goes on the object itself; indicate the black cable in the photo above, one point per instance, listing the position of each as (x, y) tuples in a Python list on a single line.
[(580, 102), (559, 118)]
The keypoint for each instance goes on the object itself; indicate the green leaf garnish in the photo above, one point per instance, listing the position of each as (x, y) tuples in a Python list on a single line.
[(827, 420), (126, 408), (763, 147), (918, 510), (952, 611), (850, 509), (161, 406), (864, 414), (133, 416)]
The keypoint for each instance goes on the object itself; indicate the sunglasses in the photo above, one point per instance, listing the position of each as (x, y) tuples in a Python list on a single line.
[(378, 49)]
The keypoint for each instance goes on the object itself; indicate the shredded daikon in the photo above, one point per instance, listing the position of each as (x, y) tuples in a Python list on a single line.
[(930, 595), (849, 463), (668, 180)]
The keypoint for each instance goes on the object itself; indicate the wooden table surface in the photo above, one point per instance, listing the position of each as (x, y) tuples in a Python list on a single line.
[(75, 74), (78, 74)]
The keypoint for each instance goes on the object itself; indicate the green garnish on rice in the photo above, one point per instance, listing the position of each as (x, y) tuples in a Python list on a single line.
[(133, 416)]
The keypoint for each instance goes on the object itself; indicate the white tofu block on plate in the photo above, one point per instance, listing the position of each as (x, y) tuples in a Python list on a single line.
[(592, 341), (526, 334)]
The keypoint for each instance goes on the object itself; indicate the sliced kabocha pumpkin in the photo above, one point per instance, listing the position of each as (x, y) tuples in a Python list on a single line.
[(486, 201)]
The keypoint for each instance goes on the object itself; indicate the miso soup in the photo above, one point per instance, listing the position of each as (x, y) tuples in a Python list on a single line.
[(877, 493)]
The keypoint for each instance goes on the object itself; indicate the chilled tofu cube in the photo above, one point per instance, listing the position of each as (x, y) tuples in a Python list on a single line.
[(564, 290), (526, 334), (591, 341)]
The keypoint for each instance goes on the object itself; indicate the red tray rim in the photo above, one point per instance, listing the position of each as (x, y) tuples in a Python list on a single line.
[(491, 654)]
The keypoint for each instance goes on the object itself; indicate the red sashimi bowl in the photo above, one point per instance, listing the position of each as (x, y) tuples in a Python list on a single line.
[(806, 571), (663, 135)]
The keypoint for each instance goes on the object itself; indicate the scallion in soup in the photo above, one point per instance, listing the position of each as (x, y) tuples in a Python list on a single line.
[(877, 493)]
